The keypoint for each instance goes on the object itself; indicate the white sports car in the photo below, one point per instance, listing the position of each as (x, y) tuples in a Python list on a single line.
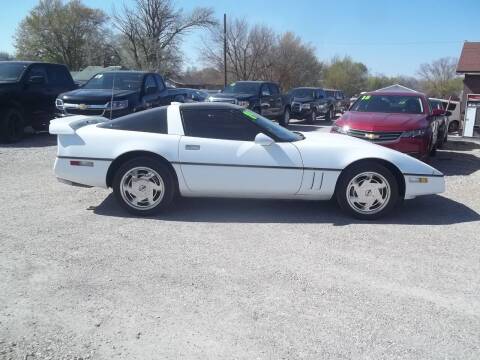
[(223, 150)]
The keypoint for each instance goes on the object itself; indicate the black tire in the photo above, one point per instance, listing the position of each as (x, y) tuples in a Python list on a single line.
[(285, 119), (12, 125), (453, 126), (313, 116), (166, 175), (350, 173)]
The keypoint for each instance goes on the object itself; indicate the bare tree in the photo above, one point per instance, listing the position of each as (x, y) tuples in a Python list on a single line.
[(62, 32), (439, 77), (4, 56), (249, 50), (152, 30)]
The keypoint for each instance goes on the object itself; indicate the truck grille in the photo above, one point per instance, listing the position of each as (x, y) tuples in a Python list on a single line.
[(375, 136), (296, 107), (84, 112)]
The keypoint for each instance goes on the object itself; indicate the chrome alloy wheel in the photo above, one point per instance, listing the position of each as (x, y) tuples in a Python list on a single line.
[(142, 188), (368, 193)]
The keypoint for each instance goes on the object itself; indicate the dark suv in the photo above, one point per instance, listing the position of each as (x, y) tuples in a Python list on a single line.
[(117, 93), (27, 95), (263, 97), (308, 103)]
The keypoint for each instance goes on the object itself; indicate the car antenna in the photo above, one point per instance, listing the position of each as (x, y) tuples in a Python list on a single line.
[(111, 98)]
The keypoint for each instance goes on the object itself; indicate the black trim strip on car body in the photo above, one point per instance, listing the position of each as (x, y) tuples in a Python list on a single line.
[(255, 166), (83, 158), (425, 175)]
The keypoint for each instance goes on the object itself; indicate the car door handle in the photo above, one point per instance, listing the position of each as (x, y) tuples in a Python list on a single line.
[(192, 147)]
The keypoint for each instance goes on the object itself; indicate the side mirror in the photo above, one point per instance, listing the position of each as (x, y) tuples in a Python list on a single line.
[(36, 79), (438, 112), (265, 93), (151, 90), (264, 140)]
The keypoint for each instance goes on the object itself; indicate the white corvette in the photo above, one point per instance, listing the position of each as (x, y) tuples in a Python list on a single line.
[(222, 150)]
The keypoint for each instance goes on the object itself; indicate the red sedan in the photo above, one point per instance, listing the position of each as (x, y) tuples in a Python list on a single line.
[(403, 121)]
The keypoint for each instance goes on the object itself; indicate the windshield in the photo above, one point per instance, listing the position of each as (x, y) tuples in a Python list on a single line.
[(242, 88), (303, 93), (389, 104), (271, 128), (118, 81), (11, 71)]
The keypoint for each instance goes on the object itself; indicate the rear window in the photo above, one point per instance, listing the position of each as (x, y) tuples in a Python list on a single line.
[(151, 121), (389, 104)]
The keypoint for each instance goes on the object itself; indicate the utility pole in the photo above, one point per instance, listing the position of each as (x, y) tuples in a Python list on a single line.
[(225, 47)]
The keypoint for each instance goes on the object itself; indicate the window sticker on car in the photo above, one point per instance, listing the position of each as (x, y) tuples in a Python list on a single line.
[(367, 97), (250, 114), (98, 76)]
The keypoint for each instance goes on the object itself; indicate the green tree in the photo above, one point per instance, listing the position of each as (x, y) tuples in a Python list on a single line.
[(347, 75), (64, 32)]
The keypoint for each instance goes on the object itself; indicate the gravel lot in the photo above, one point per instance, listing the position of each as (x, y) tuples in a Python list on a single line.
[(235, 279)]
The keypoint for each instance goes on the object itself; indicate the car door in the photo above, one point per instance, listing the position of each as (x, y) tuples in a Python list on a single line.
[(218, 156), (277, 106), (59, 80), (150, 91), (163, 91), (266, 100), (39, 96)]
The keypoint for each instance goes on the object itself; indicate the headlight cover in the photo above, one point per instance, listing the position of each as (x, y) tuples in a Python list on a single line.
[(117, 105), (414, 133), (340, 129), (59, 104), (244, 103)]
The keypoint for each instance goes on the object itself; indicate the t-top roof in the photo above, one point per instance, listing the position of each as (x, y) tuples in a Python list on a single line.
[(469, 61)]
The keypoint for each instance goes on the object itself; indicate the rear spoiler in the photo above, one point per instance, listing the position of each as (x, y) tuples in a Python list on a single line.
[(69, 125)]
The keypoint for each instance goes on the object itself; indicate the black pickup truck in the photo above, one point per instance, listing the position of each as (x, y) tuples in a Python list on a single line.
[(27, 95), (309, 102), (263, 97), (116, 93)]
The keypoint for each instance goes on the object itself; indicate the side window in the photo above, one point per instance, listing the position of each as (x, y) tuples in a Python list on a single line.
[(58, 76), (37, 70), (152, 121), (265, 90), (150, 83), (160, 82), (274, 89), (218, 124)]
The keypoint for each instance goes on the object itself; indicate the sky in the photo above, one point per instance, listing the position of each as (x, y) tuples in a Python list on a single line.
[(391, 37)]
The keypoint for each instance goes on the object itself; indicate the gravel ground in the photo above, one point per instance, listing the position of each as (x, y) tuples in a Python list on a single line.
[(235, 279)]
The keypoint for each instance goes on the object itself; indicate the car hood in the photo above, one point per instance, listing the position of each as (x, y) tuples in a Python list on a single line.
[(96, 94), (369, 121), (238, 96), (335, 151)]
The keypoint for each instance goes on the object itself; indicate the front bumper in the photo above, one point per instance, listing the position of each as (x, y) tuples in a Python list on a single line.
[(435, 184)]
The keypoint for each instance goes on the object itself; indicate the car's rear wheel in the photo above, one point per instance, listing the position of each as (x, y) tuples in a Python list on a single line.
[(313, 116), (144, 186), (367, 191), (329, 115), (12, 125), (453, 126)]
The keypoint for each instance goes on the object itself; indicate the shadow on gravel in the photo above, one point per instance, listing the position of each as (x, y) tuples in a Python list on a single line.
[(32, 141), (452, 162), (428, 210)]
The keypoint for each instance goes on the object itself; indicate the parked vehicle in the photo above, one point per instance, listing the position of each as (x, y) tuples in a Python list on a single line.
[(263, 97), (338, 101), (224, 150), (399, 120), (189, 95), (27, 95), (443, 121), (116, 93), (453, 113), (308, 102)]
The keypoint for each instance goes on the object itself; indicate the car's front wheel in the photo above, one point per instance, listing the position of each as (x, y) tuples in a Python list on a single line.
[(367, 191), (11, 125), (313, 116), (144, 186), (285, 120)]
